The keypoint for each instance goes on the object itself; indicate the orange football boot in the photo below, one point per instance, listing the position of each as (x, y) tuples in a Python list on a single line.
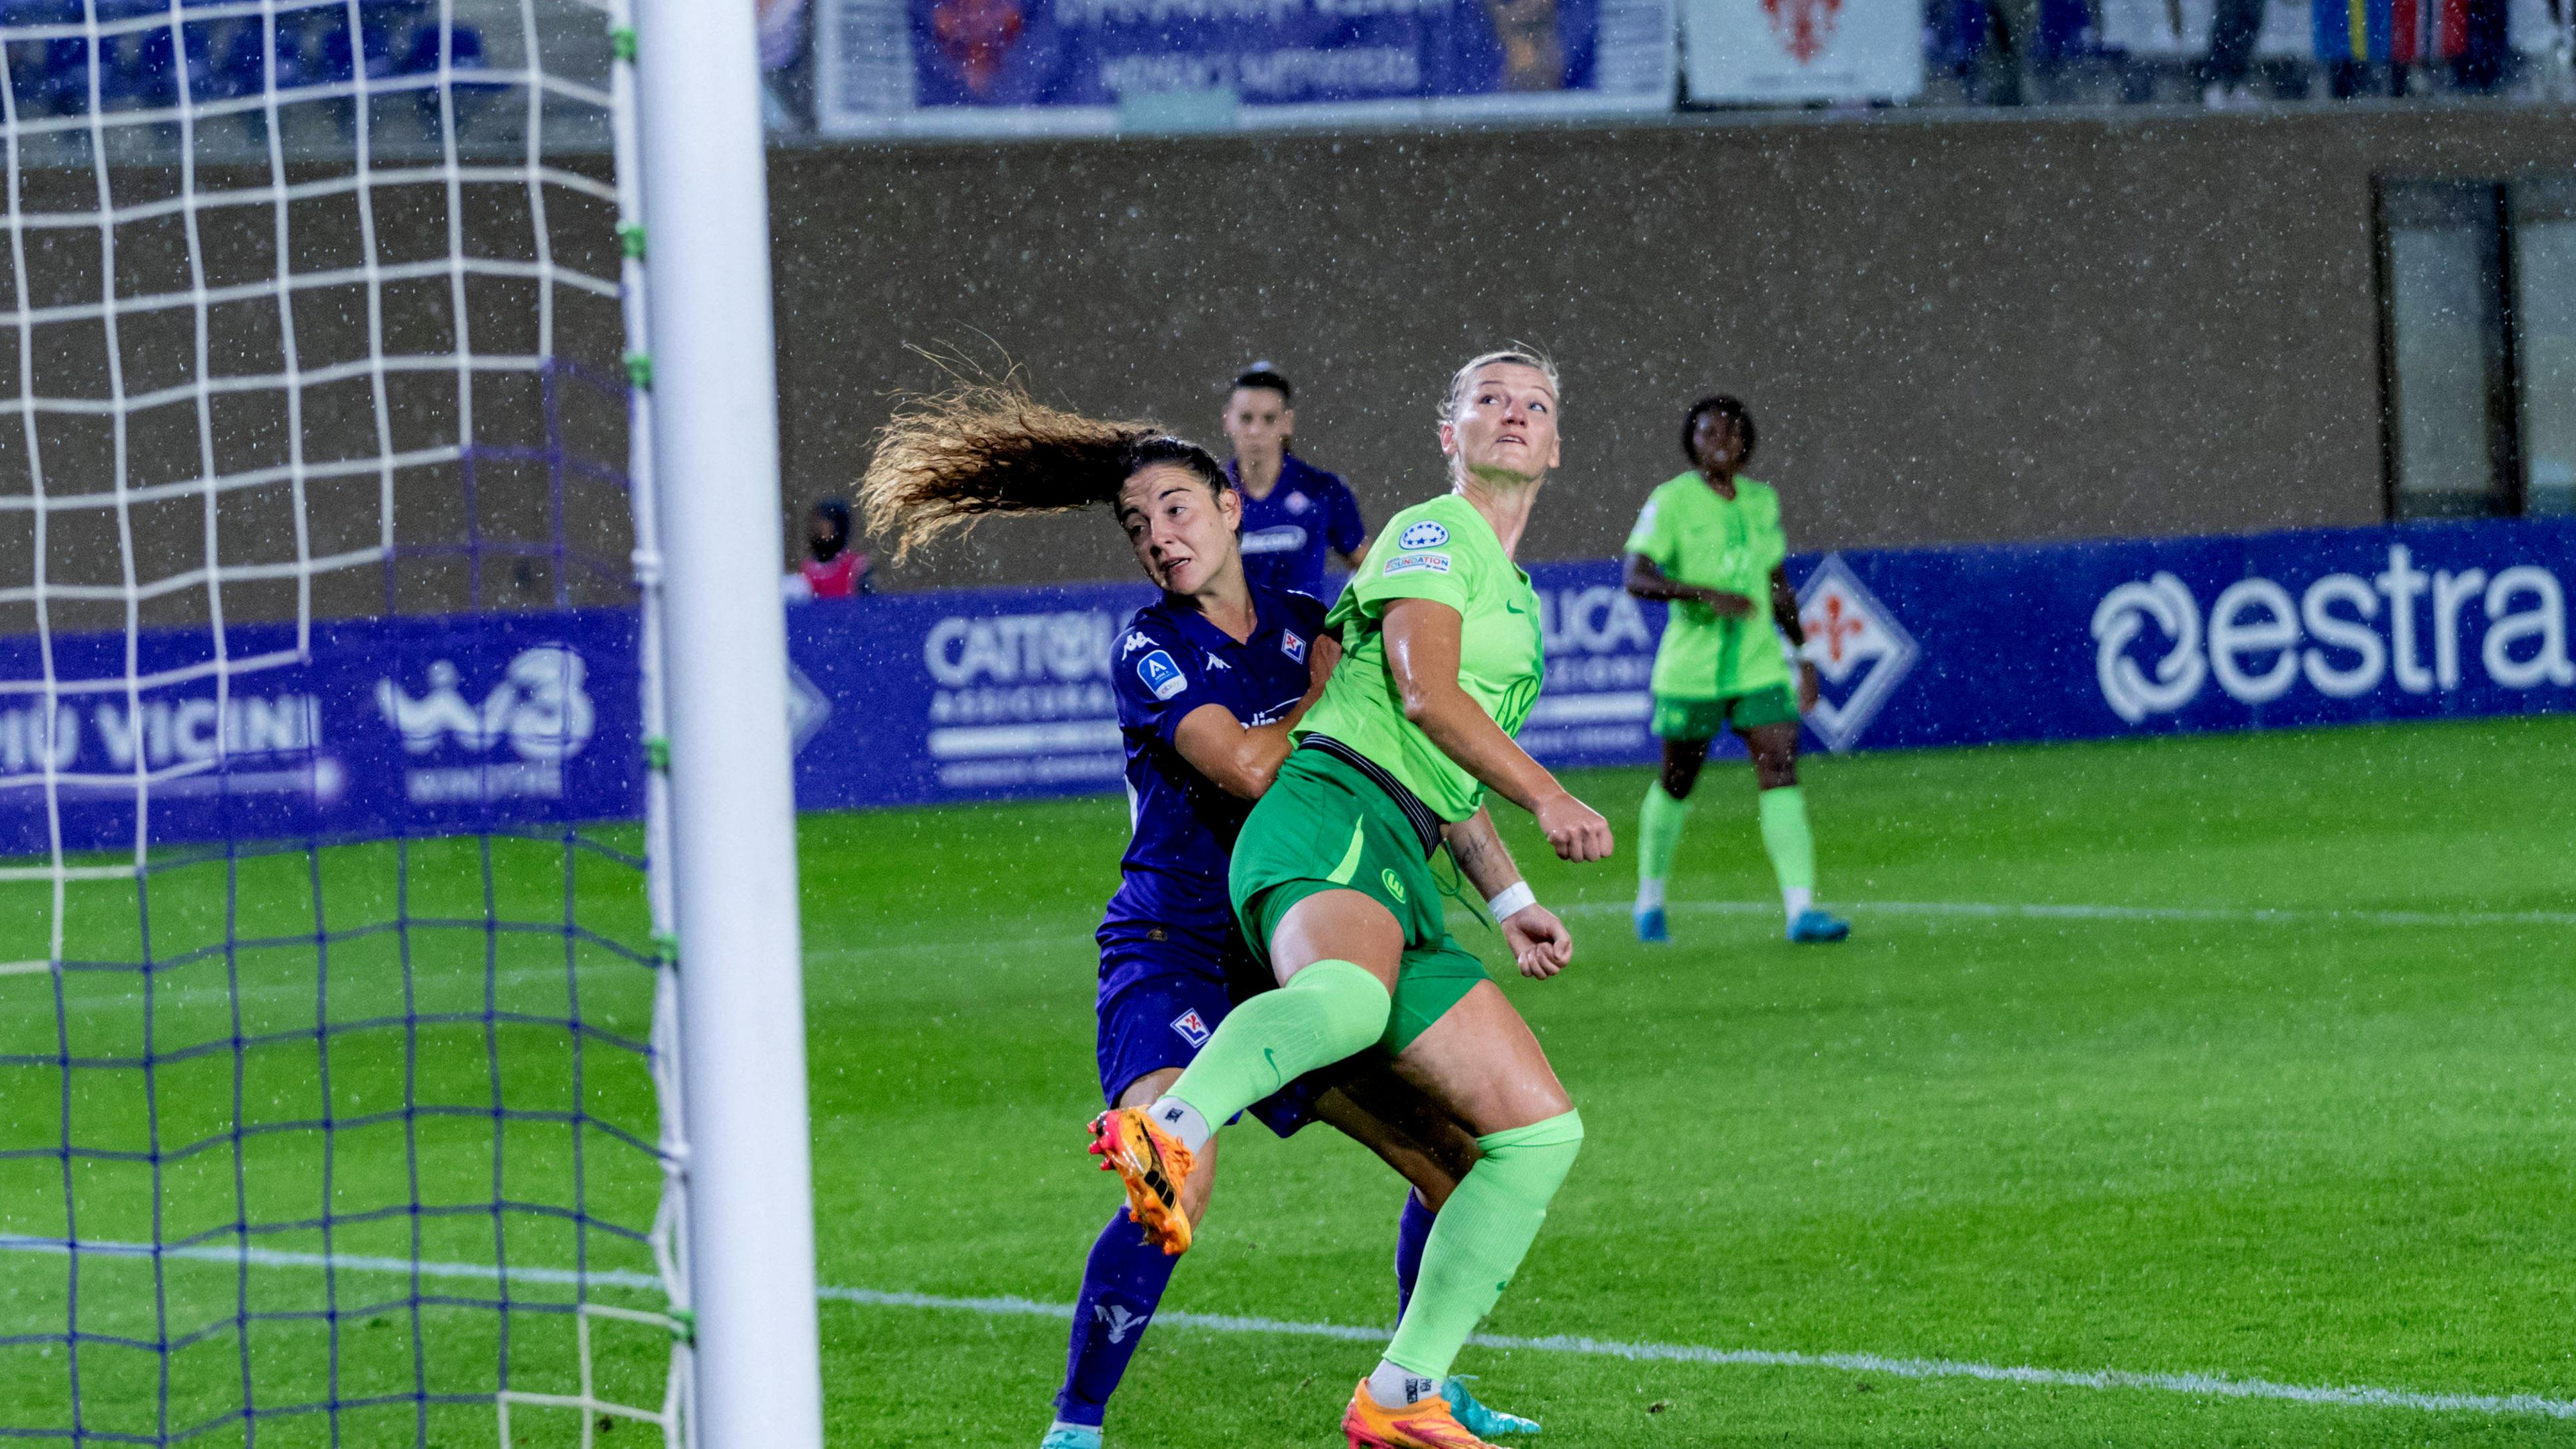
[(1153, 1164), (1427, 1424)]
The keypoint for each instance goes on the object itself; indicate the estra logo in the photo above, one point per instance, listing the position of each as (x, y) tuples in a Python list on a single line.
[(1860, 652), (2341, 635)]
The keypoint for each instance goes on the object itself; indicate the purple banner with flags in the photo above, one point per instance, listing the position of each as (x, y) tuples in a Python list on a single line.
[(1025, 66)]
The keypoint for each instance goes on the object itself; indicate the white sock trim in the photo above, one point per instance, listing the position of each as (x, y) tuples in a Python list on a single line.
[(1796, 900), (1181, 1120), (1650, 895), (1396, 1387)]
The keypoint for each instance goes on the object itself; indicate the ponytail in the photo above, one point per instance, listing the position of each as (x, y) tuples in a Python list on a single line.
[(948, 460)]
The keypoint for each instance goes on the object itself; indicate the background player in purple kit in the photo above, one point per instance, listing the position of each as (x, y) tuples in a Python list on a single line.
[(1293, 513), (1208, 679)]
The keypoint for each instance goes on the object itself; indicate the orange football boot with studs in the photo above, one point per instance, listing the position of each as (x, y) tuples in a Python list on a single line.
[(1427, 1424), (1153, 1164)]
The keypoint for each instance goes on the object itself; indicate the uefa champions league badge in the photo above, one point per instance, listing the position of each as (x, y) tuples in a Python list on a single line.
[(1426, 534)]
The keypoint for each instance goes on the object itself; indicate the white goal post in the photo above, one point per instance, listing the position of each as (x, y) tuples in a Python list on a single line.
[(714, 439)]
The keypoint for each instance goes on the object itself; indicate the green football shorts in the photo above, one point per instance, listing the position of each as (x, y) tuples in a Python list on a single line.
[(1703, 719), (1324, 826)]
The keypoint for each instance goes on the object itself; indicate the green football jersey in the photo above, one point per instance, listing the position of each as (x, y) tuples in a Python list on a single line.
[(1698, 538), (1445, 551)]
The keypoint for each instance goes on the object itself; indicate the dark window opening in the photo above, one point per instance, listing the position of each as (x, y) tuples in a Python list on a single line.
[(2477, 317)]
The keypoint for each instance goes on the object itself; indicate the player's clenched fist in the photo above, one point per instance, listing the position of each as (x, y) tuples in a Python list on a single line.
[(1574, 829)]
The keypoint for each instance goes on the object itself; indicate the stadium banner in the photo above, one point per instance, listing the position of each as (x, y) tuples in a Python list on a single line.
[(925, 697), (1071, 67), (382, 727), (1802, 50), (431, 725)]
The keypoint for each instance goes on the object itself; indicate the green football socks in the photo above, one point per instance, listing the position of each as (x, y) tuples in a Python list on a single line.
[(1326, 1012), (1479, 1239), (1791, 844), (1659, 834)]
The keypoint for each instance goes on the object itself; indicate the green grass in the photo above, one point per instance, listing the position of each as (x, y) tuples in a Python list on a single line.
[(2314, 1149)]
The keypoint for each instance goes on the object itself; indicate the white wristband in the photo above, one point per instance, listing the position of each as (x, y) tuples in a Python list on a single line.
[(1515, 898)]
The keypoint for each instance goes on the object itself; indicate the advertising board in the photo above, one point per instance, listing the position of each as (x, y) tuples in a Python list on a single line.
[(1058, 67), (421, 726)]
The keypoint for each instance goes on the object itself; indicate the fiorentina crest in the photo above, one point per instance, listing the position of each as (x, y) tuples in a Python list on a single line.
[(1859, 650), (1803, 26)]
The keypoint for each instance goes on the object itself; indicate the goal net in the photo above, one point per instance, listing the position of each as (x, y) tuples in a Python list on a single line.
[(336, 1097)]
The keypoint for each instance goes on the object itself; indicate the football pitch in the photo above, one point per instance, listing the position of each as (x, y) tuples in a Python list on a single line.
[(2219, 1083)]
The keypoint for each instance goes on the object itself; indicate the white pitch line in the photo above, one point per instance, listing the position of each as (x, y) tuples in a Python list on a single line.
[(2042, 911), (2199, 1385)]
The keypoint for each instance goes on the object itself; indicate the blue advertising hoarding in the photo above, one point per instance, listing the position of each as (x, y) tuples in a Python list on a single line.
[(426, 725), (367, 728), (987, 67)]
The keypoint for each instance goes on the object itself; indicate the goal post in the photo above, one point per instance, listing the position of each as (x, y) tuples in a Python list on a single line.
[(714, 438), (401, 1033)]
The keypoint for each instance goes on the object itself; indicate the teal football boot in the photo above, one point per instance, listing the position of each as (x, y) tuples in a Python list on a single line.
[(1814, 926), (1476, 1418)]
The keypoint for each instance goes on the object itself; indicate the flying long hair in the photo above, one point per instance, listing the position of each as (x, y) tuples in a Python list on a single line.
[(949, 460)]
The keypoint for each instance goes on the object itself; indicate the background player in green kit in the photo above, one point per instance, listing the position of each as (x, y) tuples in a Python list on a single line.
[(1331, 882), (1709, 543)]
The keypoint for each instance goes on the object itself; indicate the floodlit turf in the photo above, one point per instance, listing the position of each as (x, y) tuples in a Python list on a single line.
[(2309, 1151), (2324, 1146)]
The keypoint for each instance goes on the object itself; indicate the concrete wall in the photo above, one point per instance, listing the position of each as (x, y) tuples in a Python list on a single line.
[(1974, 328)]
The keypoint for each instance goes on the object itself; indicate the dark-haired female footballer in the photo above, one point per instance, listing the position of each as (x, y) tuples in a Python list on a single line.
[(1332, 885), (1710, 543), (1293, 511), (1208, 679)]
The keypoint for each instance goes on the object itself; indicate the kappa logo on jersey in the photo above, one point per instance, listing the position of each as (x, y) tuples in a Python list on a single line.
[(1414, 563), (1425, 534), (1292, 646), (1193, 1028), (1161, 675), (1134, 642), (1859, 650)]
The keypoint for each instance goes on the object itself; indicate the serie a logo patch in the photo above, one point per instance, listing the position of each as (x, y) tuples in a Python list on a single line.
[(1161, 675)]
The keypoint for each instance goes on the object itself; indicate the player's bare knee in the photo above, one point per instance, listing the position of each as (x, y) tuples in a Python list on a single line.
[(1142, 1091), (1680, 773)]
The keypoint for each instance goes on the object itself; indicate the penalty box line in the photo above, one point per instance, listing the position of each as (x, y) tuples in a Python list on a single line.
[(2220, 1386)]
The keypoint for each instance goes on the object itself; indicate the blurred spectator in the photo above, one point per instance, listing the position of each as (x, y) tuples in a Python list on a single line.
[(1292, 512), (2233, 27), (2012, 50), (832, 569), (2473, 37)]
